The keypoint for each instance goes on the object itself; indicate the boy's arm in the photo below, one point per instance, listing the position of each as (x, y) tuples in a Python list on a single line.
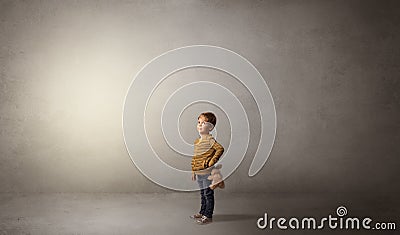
[(193, 174), (219, 150), (192, 163)]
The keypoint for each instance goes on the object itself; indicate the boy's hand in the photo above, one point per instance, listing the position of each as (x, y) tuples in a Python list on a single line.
[(193, 176)]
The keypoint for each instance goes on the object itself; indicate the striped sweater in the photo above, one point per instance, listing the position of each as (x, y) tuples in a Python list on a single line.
[(207, 152)]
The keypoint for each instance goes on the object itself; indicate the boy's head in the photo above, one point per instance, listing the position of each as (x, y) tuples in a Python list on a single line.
[(206, 122)]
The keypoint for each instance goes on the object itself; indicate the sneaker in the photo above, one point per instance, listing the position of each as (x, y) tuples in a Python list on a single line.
[(204, 220), (196, 216)]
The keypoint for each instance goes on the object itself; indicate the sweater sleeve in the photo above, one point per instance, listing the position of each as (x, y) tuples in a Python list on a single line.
[(219, 150), (193, 160)]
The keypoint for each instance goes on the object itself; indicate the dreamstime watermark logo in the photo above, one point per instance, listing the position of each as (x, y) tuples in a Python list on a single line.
[(331, 222), (153, 73)]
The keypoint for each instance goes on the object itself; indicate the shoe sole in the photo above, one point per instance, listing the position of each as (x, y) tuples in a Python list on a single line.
[(202, 223)]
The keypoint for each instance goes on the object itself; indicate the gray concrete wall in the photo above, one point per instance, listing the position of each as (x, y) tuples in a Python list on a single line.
[(332, 68)]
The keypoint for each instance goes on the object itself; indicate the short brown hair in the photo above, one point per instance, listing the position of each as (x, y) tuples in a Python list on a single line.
[(210, 117)]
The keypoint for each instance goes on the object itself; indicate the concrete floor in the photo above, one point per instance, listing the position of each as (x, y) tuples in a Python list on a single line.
[(111, 213)]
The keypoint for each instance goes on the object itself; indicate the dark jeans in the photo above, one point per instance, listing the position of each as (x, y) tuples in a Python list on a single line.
[(207, 195)]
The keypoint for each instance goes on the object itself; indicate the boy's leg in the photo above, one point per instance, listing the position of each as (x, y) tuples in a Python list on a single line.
[(209, 195), (203, 202), (200, 181)]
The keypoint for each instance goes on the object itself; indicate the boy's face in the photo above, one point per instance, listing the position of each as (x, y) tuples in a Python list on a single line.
[(204, 127)]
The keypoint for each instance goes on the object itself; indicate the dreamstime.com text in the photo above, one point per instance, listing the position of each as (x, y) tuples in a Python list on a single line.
[(341, 221)]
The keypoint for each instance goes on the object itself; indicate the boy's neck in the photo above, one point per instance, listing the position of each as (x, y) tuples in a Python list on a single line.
[(205, 135)]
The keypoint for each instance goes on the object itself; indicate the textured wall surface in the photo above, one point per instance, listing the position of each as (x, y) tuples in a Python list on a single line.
[(332, 68)]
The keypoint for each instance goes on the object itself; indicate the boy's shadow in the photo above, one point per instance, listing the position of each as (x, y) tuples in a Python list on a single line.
[(232, 217)]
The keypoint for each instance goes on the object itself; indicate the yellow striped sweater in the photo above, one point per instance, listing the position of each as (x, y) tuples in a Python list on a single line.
[(207, 151)]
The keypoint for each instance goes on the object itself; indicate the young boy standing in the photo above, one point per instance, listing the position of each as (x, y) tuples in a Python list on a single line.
[(207, 151)]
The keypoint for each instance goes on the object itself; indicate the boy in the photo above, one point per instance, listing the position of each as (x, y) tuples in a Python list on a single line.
[(207, 151)]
